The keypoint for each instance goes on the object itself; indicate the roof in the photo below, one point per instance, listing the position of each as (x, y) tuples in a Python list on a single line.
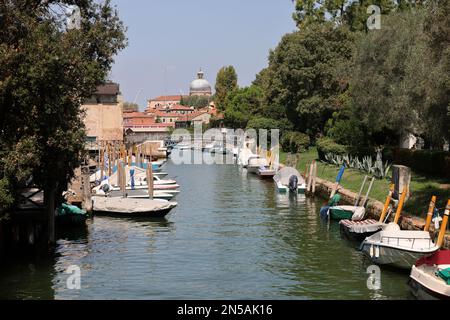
[(151, 128), (167, 114), (180, 107), (137, 115), (191, 116), (167, 98), (109, 88)]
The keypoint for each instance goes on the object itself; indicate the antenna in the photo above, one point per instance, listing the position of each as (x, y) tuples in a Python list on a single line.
[(137, 95)]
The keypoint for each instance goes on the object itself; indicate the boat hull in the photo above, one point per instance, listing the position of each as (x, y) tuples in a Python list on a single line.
[(389, 256), (427, 286), (347, 231), (70, 220), (148, 214), (266, 173), (285, 189), (340, 214)]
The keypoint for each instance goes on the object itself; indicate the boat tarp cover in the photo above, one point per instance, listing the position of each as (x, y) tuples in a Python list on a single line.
[(437, 258), (357, 212), (445, 274), (363, 226), (130, 205), (284, 174), (67, 209)]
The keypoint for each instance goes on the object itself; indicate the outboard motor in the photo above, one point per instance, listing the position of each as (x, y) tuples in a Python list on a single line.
[(106, 187), (293, 183)]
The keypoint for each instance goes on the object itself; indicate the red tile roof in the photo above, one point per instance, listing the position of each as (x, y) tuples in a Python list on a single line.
[(159, 113), (167, 98), (137, 115), (189, 117)]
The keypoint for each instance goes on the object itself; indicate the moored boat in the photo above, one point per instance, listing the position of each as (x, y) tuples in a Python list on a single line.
[(131, 207), (430, 277), (266, 172), (402, 248), (289, 179), (359, 230), (70, 216), (255, 162)]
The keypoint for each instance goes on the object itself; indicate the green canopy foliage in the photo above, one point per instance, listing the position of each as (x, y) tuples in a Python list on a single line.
[(226, 82), (46, 71)]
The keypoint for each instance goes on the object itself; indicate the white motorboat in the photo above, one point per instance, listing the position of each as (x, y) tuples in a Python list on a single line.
[(137, 193), (288, 179), (255, 162), (266, 172), (208, 147), (402, 248), (430, 277), (129, 207), (183, 146)]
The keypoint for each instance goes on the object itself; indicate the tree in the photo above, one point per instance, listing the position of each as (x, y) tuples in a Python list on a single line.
[(385, 85), (195, 101), (226, 82), (301, 79), (46, 71), (241, 105), (351, 13)]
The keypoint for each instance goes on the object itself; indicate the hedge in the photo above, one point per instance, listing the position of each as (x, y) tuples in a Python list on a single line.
[(327, 145), (295, 142), (435, 163)]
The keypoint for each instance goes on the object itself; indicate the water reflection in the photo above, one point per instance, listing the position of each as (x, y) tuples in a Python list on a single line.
[(232, 236)]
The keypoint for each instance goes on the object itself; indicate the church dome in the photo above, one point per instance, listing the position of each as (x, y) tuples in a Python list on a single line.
[(200, 86)]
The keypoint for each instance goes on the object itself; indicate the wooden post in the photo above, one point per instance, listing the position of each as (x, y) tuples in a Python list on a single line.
[(400, 204), (109, 160), (49, 195), (123, 180), (430, 213), (102, 157), (440, 241), (386, 203), (150, 180), (314, 178), (401, 177), (86, 190)]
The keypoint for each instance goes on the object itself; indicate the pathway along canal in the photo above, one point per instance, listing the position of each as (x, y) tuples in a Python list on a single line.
[(231, 237)]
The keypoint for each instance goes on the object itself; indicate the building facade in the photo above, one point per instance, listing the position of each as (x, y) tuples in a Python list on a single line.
[(103, 114)]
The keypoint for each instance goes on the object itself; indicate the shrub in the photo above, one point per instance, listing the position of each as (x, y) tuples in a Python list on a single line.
[(295, 142), (327, 145), (425, 161)]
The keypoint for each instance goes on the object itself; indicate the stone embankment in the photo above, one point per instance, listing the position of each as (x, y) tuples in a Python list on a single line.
[(374, 209)]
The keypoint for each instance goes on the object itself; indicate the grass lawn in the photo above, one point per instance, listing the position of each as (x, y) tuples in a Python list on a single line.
[(422, 186)]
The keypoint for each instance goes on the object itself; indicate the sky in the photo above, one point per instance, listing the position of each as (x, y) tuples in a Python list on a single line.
[(169, 40)]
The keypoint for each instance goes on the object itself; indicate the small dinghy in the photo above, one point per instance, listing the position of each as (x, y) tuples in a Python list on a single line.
[(402, 248), (289, 179), (359, 230), (430, 277), (266, 172), (130, 207), (255, 162), (346, 212)]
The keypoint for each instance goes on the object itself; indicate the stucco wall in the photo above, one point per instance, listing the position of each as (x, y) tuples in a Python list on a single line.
[(104, 121)]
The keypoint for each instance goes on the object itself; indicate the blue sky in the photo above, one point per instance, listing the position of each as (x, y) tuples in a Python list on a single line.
[(170, 40)]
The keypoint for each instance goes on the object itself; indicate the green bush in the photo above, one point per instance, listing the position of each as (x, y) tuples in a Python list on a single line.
[(429, 162), (327, 145), (295, 142)]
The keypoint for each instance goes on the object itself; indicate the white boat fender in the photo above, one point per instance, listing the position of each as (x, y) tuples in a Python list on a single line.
[(371, 251), (377, 252)]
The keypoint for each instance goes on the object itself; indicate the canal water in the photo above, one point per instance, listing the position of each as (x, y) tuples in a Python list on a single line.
[(231, 237)]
